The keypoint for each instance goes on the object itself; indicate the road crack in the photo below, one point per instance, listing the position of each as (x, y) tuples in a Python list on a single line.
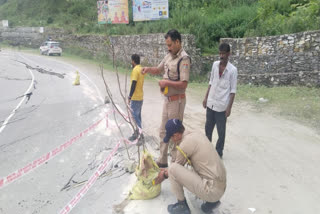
[(43, 71), (16, 79)]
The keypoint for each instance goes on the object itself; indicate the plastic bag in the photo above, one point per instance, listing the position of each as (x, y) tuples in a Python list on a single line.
[(146, 172)]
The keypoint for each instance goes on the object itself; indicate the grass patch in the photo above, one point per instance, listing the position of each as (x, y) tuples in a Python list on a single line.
[(297, 103)]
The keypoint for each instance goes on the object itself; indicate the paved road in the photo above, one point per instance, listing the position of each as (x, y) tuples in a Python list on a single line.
[(40, 110), (271, 162)]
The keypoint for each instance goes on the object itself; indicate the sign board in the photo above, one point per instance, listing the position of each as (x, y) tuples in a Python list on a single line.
[(5, 23), (113, 12), (150, 10)]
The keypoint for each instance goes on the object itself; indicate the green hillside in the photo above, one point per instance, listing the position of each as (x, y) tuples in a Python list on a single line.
[(208, 20)]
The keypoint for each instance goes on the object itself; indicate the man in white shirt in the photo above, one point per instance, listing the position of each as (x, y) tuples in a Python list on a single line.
[(220, 96)]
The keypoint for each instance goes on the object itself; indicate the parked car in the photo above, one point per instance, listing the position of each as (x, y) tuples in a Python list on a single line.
[(50, 48)]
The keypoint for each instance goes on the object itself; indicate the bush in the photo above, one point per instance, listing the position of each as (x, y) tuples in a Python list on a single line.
[(208, 20), (285, 16)]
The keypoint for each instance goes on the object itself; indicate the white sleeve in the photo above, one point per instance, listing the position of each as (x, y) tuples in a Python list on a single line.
[(233, 81), (211, 74)]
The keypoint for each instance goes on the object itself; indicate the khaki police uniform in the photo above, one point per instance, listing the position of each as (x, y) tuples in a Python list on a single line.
[(207, 180), (174, 104)]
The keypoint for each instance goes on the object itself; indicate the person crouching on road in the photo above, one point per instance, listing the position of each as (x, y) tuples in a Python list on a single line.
[(135, 97), (207, 180)]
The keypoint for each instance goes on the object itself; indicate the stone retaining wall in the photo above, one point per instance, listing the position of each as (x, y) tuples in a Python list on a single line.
[(292, 59), (151, 47)]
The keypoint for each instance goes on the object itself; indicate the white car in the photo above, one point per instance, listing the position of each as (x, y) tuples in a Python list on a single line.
[(50, 48)]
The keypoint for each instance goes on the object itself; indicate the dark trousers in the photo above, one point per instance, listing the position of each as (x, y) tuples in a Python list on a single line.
[(219, 118)]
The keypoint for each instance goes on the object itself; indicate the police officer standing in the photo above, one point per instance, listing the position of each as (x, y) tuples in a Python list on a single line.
[(176, 68)]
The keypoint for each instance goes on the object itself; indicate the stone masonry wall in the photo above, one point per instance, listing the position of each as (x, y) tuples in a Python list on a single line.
[(151, 47), (292, 59)]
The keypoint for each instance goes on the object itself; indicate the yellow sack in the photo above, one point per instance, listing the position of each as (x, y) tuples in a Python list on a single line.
[(146, 172)]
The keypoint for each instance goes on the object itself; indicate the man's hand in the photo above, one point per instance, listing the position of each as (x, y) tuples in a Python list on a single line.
[(163, 83), (160, 177), (144, 70), (204, 103), (228, 112)]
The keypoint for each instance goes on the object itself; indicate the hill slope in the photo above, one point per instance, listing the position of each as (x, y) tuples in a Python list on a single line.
[(208, 20)]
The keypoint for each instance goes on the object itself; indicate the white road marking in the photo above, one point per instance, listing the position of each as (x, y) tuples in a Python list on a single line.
[(4, 124)]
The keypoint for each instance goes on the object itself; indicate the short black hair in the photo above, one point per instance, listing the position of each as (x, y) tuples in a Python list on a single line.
[(135, 58), (173, 34), (181, 129), (224, 47)]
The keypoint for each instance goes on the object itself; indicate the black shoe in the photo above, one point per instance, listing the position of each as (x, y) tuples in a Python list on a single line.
[(162, 165), (207, 207), (133, 137), (181, 207), (141, 140)]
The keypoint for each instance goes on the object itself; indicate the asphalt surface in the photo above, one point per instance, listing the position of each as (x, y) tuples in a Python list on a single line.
[(40, 110), (271, 162)]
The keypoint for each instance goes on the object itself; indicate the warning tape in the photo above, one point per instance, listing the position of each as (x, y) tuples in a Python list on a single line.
[(53, 153), (44, 158), (4, 181), (75, 200)]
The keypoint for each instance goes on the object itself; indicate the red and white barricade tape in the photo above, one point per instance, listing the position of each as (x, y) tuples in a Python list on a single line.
[(44, 158), (94, 177), (53, 153), (89, 183)]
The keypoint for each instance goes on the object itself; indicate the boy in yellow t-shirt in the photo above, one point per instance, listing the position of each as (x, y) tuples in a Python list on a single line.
[(136, 93)]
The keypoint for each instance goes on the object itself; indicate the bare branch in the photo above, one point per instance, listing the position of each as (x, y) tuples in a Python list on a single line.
[(127, 118)]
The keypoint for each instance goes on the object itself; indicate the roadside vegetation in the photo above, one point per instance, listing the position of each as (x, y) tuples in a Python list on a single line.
[(208, 20)]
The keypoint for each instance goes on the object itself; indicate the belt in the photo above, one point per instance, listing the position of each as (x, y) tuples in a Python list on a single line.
[(176, 97)]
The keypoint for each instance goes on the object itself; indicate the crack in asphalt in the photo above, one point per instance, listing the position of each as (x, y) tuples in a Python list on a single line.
[(13, 120), (19, 140), (68, 184), (72, 183), (28, 95), (14, 142), (9, 78), (35, 107), (43, 71), (92, 109)]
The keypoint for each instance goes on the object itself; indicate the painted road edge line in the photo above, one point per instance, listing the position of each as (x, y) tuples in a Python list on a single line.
[(18, 106)]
